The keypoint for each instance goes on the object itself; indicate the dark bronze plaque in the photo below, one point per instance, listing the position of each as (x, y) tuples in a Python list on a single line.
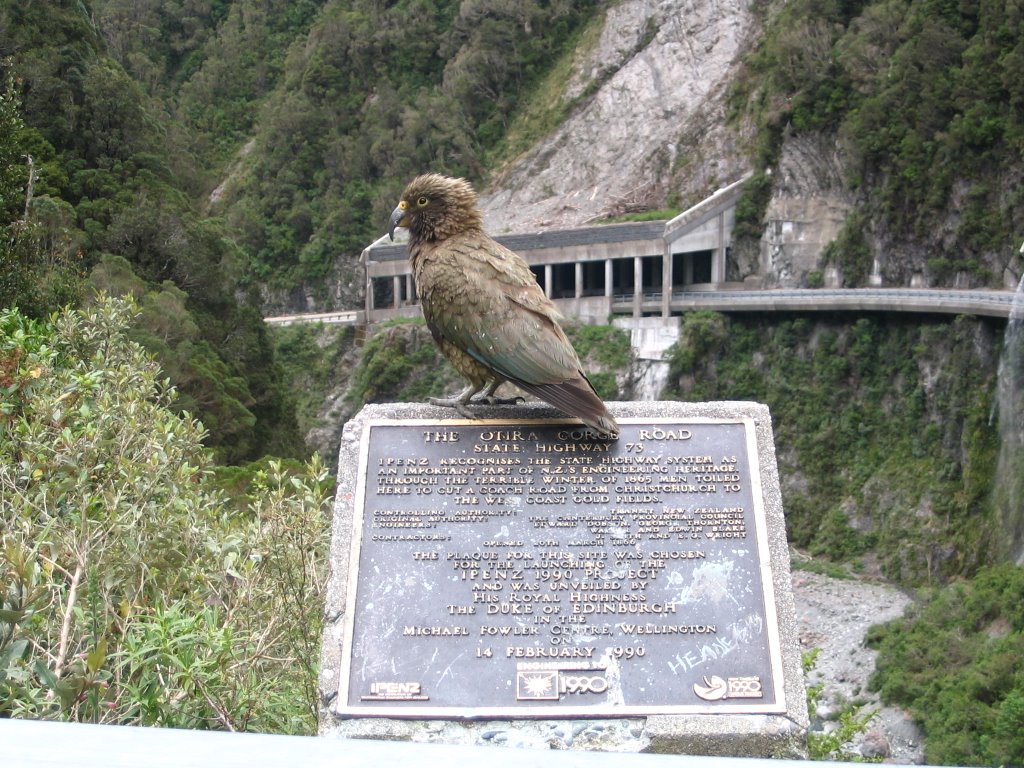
[(529, 569)]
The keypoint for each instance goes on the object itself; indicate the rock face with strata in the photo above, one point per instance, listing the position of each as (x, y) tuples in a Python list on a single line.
[(809, 205), (654, 125)]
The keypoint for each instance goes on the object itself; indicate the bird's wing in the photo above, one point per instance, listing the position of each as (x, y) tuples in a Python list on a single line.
[(502, 319)]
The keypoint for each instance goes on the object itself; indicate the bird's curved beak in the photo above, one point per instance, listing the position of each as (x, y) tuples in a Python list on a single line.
[(399, 218)]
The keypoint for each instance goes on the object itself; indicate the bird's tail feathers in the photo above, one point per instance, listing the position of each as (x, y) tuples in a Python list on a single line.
[(605, 424), (576, 397)]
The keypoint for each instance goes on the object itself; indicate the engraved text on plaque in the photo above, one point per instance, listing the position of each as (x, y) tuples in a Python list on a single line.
[(531, 569)]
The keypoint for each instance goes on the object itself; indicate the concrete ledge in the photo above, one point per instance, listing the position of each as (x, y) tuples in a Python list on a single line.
[(48, 745)]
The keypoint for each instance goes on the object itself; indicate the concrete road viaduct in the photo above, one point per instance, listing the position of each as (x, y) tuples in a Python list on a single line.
[(655, 269)]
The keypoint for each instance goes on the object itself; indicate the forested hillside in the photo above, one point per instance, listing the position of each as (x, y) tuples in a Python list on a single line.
[(921, 102), (102, 188), (374, 95)]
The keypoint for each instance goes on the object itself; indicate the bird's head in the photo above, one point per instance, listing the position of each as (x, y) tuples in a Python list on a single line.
[(435, 207)]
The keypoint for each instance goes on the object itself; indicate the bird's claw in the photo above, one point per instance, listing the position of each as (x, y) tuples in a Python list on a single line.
[(492, 400), (453, 402)]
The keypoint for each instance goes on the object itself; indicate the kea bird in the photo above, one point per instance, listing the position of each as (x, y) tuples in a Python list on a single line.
[(484, 308)]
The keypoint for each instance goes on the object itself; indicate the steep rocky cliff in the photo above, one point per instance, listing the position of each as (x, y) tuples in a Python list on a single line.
[(809, 204), (652, 128)]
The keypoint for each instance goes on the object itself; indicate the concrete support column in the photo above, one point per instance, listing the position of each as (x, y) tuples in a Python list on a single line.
[(396, 291), (608, 287), (364, 259), (410, 292), (548, 279), (638, 286), (666, 281), (579, 279), (718, 259)]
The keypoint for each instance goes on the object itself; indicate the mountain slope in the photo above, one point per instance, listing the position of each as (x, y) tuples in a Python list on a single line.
[(110, 194), (648, 123)]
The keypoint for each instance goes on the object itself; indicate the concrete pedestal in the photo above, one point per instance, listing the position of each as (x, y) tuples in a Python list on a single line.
[(734, 733)]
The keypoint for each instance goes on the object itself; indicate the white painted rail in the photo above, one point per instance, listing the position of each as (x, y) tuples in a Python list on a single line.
[(349, 317), (31, 744), (944, 301)]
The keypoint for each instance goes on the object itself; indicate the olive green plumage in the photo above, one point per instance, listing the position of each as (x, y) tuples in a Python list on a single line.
[(484, 307)]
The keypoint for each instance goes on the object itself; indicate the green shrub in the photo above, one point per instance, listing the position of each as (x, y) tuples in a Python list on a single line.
[(310, 357), (399, 363), (605, 345), (700, 333), (850, 252), (956, 662), (606, 385), (130, 591)]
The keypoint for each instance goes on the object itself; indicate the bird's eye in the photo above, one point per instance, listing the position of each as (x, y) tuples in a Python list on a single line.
[(422, 202)]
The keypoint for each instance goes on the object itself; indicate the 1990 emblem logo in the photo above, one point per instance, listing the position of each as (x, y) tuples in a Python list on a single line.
[(552, 684), (715, 688)]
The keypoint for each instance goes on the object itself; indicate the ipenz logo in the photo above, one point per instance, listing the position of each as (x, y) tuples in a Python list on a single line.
[(394, 691)]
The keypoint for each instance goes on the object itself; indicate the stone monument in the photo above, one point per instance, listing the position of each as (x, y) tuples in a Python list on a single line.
[(519, 579)]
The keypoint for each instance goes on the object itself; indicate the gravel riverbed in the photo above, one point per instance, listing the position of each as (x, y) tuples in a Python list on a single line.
[(834, 616)]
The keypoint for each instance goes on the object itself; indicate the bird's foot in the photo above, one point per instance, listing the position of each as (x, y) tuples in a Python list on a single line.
[(492, 400), (456, 402)]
